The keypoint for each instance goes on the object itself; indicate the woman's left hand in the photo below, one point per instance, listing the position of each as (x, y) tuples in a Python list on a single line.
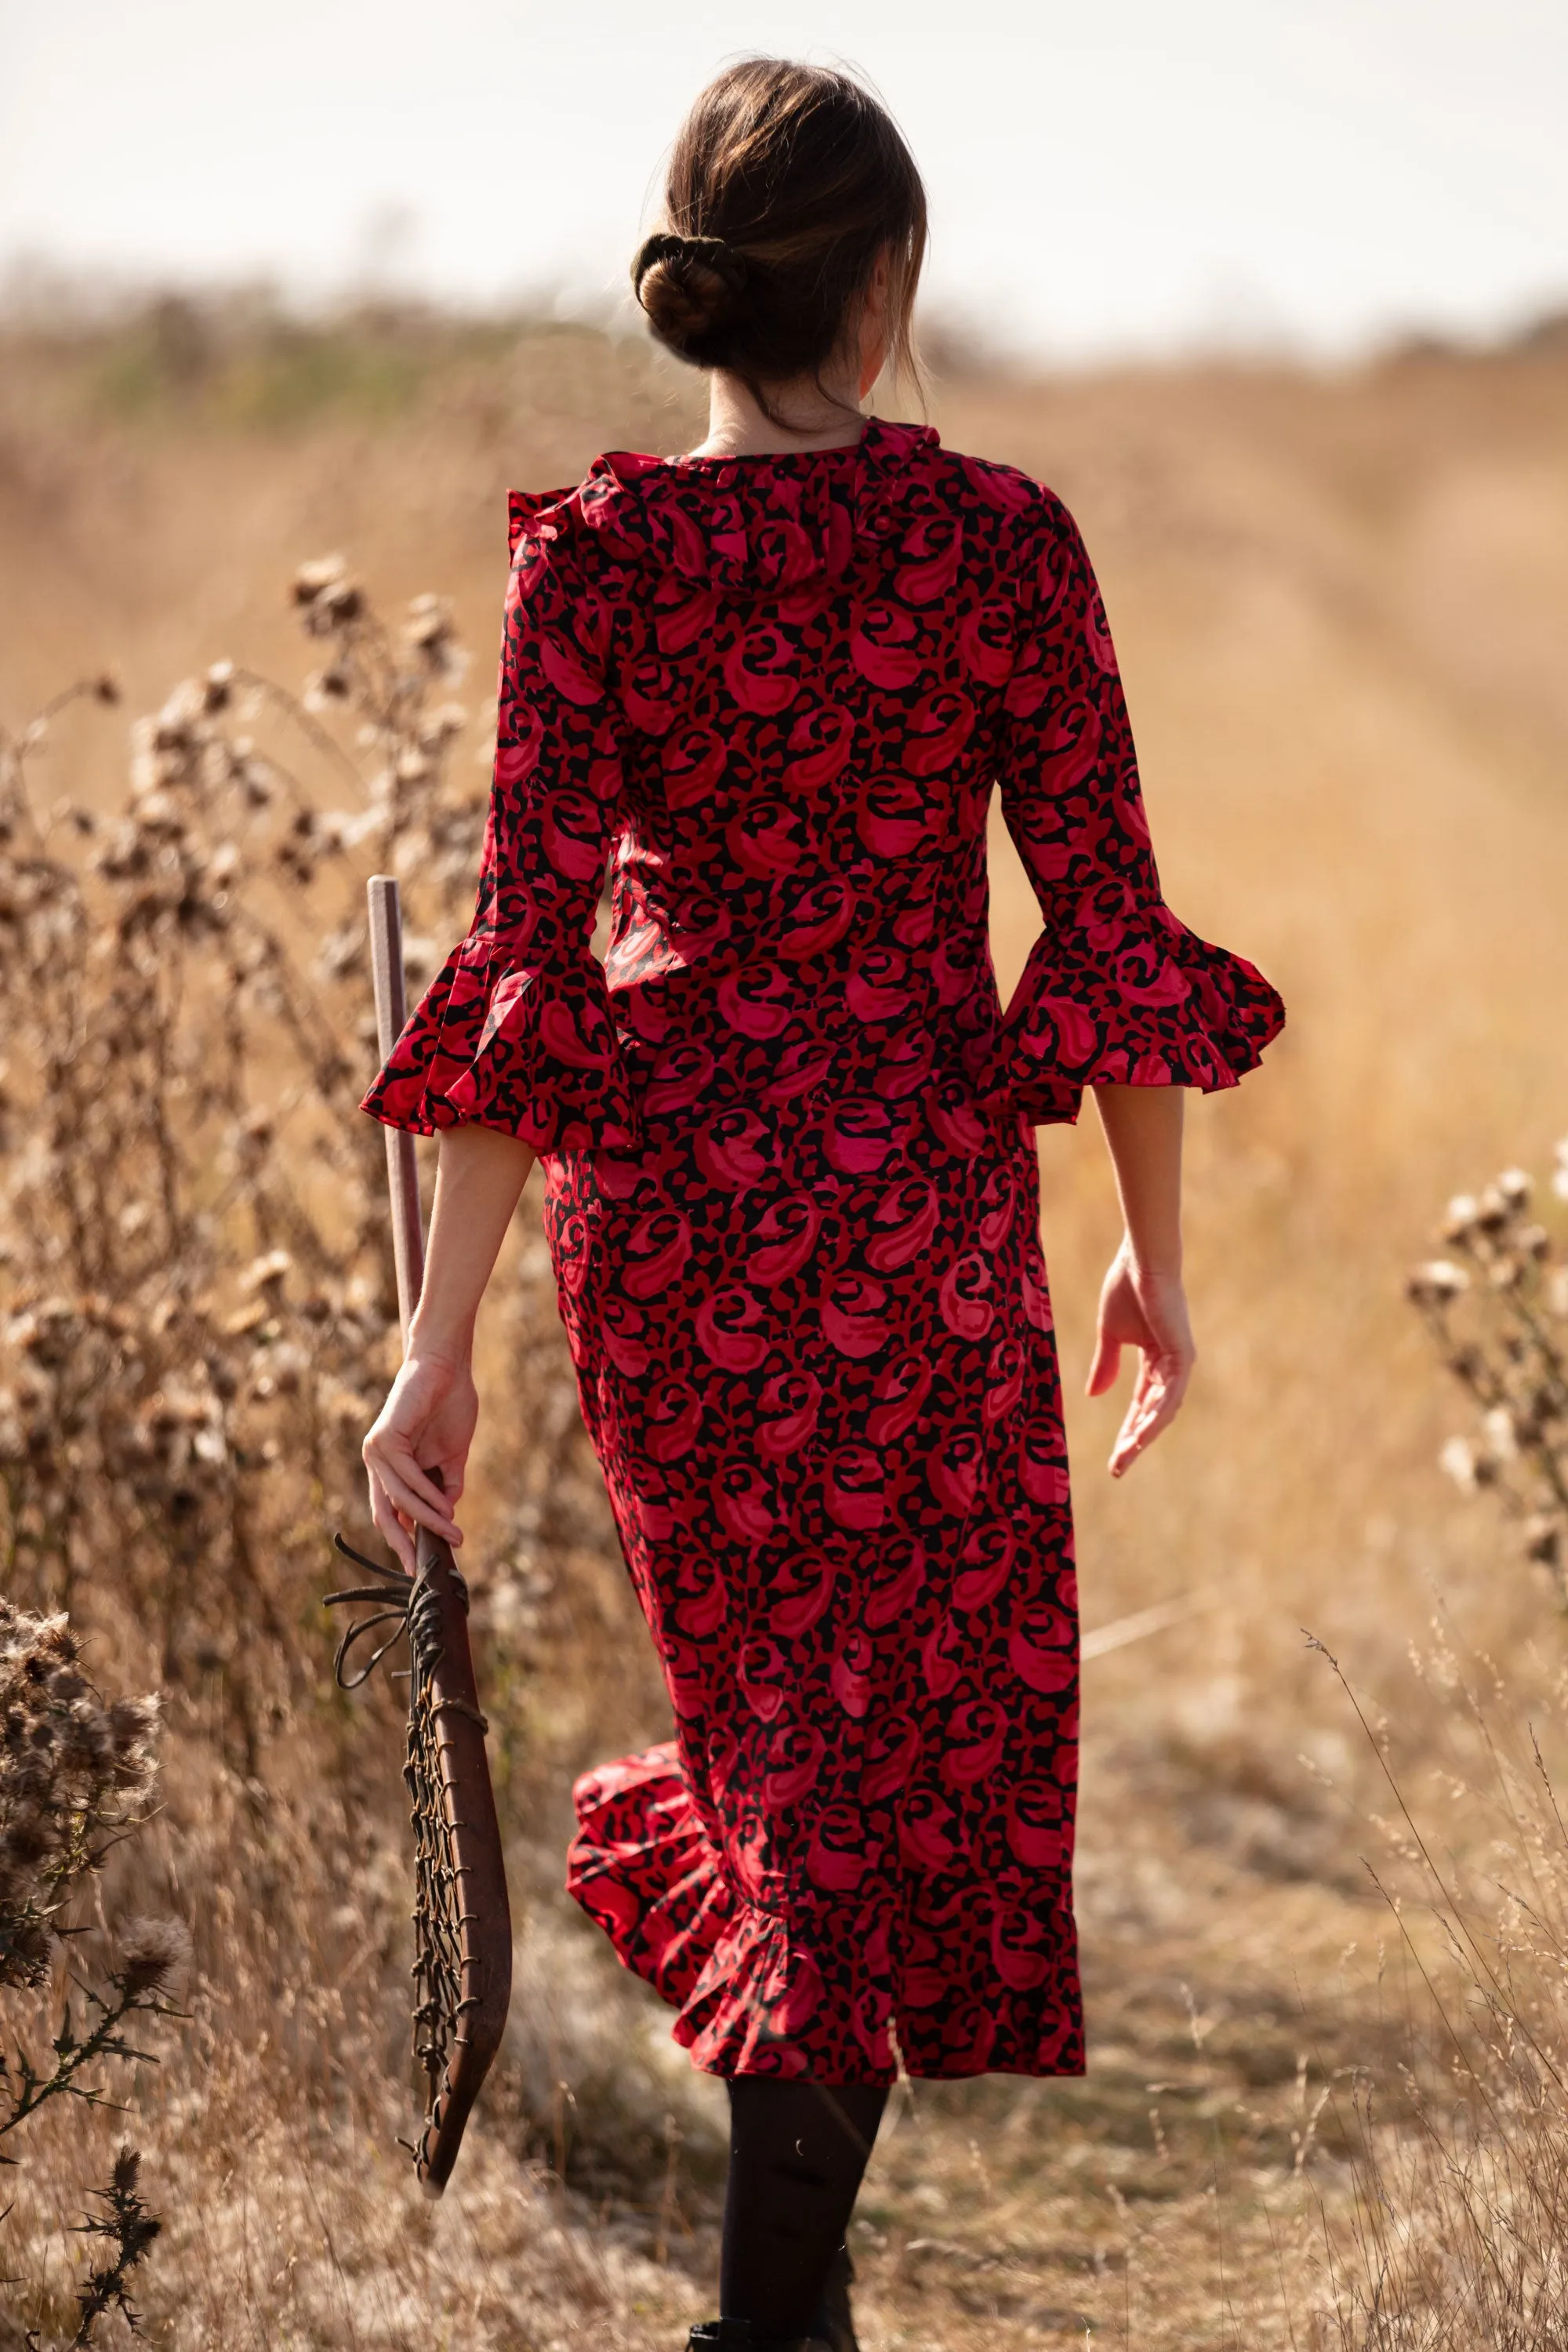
[(1143, 1308)]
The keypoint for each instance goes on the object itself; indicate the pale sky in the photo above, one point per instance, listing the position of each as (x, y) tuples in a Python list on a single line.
[(1109, 177)]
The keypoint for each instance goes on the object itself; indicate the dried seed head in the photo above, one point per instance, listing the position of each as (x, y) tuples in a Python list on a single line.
[(341, 952), (1435, 1283), (429, 634), (1543, 1539), (323, 572), (327, 685), (1503, 1432), (1465, 1466), (1513, 1187), (428, 625), (1460, 1221), (175, 724), (133, 1732), (154, 1958), (1494, 1212), (327, 597)]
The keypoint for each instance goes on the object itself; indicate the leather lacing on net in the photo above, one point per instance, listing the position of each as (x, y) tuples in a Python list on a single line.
[(407, 1605)]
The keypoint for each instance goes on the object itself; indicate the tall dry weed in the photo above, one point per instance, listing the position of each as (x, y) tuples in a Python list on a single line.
[(76, 1777), (1458, 2157), (199, 1322), (1499, 1311), (194, 1242)]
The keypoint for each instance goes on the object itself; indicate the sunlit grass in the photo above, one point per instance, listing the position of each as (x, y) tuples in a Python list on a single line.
[(1338, 605)]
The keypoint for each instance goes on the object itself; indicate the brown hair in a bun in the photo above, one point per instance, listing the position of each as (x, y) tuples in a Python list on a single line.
[(785, 183), (693, 291)]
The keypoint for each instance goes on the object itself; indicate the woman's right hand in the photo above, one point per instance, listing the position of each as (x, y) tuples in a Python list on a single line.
[(427, 1423), (1145, 1308)]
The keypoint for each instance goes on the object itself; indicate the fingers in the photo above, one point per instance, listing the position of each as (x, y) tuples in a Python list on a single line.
[(389, 1527), (1155, 1404), (1147, 1312), (1105, 1369), (1129, 1436), (410, 1490)]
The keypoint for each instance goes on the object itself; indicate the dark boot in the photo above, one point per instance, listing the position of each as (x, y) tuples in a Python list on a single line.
[(833, 2327), (735, 2335)]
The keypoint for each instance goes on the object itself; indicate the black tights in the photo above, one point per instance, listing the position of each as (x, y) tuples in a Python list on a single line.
[(797, 2154)]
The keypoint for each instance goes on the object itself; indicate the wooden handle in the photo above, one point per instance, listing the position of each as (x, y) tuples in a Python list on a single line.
[(402, 1167)]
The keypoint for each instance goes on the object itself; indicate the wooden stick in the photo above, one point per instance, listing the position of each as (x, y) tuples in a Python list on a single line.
[(402, 1166)]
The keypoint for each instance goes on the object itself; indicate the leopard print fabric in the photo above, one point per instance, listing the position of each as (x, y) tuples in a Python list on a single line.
[(793, 1208)]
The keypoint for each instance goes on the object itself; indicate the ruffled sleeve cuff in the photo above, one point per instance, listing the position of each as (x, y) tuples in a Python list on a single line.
[(1126, 995), (526, 1046)]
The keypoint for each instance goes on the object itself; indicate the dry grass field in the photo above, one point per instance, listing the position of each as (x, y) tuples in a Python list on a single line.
[(1321, 2108)]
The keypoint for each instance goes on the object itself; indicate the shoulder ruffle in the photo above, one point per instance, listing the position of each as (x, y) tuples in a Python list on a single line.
[(754, 525), (1126, 995), (523, 1042)]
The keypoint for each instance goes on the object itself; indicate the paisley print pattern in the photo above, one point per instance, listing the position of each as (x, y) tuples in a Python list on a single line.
[(791, 1201)]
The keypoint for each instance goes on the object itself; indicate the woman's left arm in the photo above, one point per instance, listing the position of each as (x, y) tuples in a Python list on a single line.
[(1117, 995), (427, 1421), (1141, 1302)]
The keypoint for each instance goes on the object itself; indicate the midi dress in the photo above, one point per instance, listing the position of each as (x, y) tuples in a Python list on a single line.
[(792, 1201)]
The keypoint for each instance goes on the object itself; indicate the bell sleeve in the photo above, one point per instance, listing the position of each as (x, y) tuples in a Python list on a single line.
[(516, 1032), (1116, 991)]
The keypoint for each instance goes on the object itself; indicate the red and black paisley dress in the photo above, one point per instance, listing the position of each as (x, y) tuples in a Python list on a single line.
[(791, 1201)]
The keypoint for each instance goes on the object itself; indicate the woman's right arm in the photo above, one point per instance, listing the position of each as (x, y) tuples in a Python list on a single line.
[(513, 1049), (427, 1421)]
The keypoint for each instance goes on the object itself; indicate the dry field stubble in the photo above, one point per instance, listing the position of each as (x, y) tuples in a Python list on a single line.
[(1339, 605)]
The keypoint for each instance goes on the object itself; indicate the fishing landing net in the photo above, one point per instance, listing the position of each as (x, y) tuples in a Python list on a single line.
[(462, 1920)]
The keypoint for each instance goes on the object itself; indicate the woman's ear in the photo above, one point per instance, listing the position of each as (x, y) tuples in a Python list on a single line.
[(873, 322)]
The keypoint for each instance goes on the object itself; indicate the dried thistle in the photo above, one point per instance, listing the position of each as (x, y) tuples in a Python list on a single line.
[(191, 1233), (154, 1960), (196, 1303), (131, 2231), (74, 1770), (1497, 1310)]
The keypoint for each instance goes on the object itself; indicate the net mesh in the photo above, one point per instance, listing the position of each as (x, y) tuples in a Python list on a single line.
[(438, 2004), (408, 1606)]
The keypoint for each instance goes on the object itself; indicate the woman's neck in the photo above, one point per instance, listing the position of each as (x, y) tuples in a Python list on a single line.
[(823, 415)]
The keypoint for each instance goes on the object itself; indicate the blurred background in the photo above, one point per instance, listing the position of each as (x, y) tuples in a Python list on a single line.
[(1275, 296), (1132, 179)]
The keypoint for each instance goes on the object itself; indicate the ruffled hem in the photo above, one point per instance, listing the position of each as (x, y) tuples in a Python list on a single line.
[(1127, 996), (747, 1986), (642, 1868), (529, 1049)]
